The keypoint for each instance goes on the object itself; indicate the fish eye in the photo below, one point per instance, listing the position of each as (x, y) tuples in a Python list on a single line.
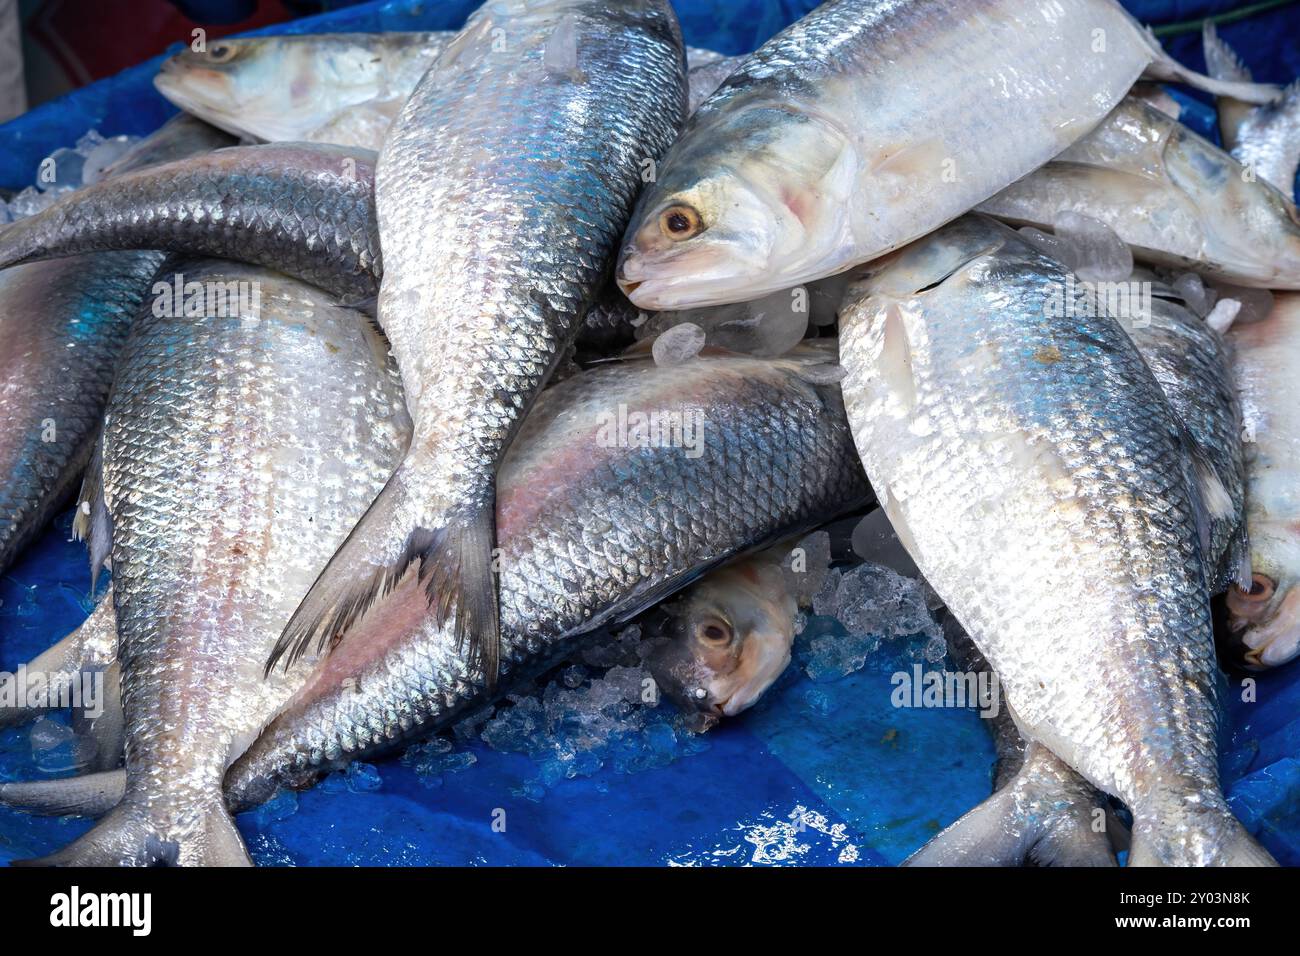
[(221, 52), (680, 222), (714, 632), (1262, 588)]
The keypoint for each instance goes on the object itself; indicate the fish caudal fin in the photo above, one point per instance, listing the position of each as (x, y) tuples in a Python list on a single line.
[(90, 795), (1168, 70), (128, 837), (1194, 835), (60, 665), (1045, 815), (455, 565)]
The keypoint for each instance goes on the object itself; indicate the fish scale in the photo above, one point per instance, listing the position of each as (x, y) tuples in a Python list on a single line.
[(237, 452), (57, 370), (1042, 484), (302, 209), (617, 530), (501, 191)]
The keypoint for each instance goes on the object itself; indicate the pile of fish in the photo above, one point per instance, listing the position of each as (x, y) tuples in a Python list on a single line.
[(480, 342)]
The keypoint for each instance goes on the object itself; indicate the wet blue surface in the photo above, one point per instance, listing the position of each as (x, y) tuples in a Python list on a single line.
[(819, 773)]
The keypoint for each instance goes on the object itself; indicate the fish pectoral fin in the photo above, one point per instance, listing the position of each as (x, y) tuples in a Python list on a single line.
[(1211, 503), (90, 795), (455, 562), (93, 524)]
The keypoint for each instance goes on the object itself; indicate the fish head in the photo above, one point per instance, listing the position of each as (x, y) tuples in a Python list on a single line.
[(277, 89), (748, 202), (1264, 620), (729, 641)]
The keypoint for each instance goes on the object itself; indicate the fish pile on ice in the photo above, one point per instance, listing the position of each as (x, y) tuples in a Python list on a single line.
[(401, 372)]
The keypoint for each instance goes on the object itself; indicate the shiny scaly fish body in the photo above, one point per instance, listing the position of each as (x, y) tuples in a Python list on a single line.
[(303, 209), (1191, 363), (501, 192), (1264, 138), (1266, 619), (864, 125), (1034, 470), (762, 454), (342, 88), (237, 453), (1041, 811), (1198, 207), (62, 326)]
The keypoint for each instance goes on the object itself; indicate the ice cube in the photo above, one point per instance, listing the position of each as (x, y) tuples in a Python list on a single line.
[(1223, 314), (677, 345), (103, 155), (806, 566), (63, 167), (1195, 295), (1256, 304), (1098, 253)]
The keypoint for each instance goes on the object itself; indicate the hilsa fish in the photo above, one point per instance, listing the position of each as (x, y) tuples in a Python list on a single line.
[(1264, 614), (1176, 199), (341, 88), (501, 190), (578, 551), (237, 453), (1036, 473), (869, 123)]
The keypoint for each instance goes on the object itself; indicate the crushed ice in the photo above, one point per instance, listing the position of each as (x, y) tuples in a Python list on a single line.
[(64, 170)]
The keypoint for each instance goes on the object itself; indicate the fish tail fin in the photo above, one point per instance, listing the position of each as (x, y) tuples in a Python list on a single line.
[(101, 734), (1221, 60), (461, 584), (1194, 835), (1046, 814), (1166, 69), (90, 795), (455, 565), (128, 836), (61, 663)]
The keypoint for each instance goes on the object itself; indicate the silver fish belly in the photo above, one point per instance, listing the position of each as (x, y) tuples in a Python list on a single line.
[(1033, 468), (237, 453)]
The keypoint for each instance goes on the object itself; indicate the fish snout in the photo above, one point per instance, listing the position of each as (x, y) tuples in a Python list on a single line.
[(1264, 623)]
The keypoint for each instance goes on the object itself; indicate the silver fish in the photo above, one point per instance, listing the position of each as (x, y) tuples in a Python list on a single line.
[(730, 638), (501, 192), (1264, 139), (1265, 618), (237, 453), (1036, 474), (303, 209), (62, 326), (1192, 365), (1199, 207), (1041, 811), (343, 88), (867, 124), (771, 455)]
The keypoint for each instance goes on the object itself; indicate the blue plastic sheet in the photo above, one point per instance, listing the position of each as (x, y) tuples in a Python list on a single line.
[(818, 773)]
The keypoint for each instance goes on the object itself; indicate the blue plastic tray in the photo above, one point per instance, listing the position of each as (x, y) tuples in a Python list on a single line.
[(818, 773)]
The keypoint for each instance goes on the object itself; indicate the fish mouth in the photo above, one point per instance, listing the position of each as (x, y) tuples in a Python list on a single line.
[(1265, 637)]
